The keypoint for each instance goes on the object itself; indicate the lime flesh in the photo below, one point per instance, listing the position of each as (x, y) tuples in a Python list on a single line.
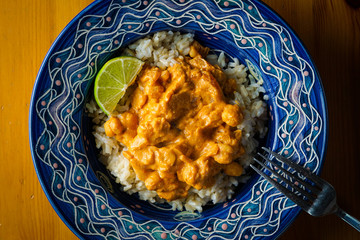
[(113, 79)]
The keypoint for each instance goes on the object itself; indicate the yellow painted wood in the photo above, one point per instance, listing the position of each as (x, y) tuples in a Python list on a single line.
[(329, 29)]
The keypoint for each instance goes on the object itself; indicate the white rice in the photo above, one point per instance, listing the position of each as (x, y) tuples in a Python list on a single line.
[(162, 49)]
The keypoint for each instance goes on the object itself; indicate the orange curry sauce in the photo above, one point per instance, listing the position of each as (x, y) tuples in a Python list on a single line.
[(180, 132)]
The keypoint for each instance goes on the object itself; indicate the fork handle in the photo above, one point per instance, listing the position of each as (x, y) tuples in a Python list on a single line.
[(348, 218)]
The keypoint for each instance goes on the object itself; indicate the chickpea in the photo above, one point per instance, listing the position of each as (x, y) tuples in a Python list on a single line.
[(155, 91), (193, 52), (188, 173), (210, 149), (146, 156), (152, 75), (197, 49), (166, 158), (233, 169), (232, 115), (165, 75), (115, 125), (139, 99), (225, 154), (152, 181), (129, 120)]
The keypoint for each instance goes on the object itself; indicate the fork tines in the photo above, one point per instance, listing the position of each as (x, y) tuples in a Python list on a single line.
[(296, 188)]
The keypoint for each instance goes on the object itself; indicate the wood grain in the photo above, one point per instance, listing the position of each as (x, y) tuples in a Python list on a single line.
[(329, 29), (27, 30), (331, 32)]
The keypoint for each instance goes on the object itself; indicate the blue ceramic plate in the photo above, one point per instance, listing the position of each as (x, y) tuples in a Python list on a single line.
[(80, 189)]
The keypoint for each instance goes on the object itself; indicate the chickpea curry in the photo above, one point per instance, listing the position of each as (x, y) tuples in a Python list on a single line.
[(180, 132)]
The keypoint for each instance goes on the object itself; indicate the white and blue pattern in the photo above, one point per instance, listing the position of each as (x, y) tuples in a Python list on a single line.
[(62, 145)]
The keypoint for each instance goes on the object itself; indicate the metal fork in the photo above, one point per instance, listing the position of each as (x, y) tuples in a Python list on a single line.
[(313, 194)]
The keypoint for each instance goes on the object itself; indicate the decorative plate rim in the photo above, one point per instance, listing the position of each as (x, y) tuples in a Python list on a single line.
[(31, 118), (75, 20)]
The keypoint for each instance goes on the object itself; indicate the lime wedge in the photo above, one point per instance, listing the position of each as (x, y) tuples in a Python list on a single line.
[(113, 79)]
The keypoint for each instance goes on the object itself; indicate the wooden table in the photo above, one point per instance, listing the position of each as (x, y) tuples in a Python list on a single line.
[(329, 29)]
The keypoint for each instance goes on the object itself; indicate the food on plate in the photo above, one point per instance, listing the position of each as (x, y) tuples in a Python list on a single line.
[(179, 131), (185, 130)]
